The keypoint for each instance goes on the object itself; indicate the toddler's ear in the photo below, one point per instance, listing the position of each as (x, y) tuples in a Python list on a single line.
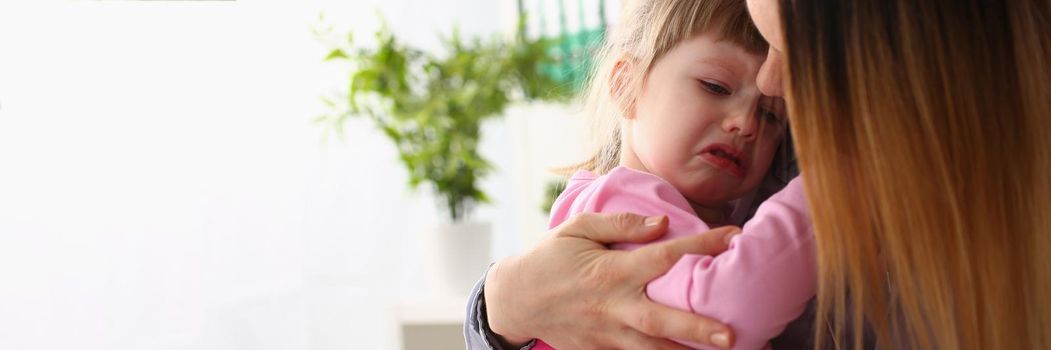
[(619, 80)]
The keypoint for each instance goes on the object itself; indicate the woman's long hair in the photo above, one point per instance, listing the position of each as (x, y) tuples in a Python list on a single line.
[(923, 129)]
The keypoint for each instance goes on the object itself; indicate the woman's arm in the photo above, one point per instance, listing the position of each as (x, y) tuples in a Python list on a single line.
[(573, 292), (476, 330)]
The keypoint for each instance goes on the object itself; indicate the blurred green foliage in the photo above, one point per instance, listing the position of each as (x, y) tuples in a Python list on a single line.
[(552, 189), (432, 105)]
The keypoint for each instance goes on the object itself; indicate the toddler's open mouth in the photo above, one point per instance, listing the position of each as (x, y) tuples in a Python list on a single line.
[(726, 157)]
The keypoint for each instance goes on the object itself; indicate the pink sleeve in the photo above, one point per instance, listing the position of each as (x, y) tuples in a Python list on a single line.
[(757, 287), (762, 282)]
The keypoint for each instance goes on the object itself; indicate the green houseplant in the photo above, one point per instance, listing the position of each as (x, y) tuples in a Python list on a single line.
[(432, 106)]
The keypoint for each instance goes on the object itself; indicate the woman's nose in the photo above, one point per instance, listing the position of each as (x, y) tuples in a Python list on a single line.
[(769, 78)]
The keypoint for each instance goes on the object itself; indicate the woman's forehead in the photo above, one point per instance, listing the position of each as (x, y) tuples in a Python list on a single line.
[(765, 16)]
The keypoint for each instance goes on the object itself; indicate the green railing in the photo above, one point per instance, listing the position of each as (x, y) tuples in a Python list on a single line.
[(571, 48)]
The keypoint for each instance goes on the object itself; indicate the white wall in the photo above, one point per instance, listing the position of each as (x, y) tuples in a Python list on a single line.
[(161, 186)]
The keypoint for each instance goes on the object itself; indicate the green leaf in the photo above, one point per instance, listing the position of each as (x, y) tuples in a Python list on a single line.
[(336, 54)]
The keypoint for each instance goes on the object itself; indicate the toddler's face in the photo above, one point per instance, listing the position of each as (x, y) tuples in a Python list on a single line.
[(701, 123)]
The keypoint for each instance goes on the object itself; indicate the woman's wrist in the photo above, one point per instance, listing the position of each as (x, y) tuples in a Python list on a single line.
[(500, 325)]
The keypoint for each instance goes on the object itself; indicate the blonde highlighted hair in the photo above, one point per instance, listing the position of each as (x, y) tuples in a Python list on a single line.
[(924, 132), (647, 30)]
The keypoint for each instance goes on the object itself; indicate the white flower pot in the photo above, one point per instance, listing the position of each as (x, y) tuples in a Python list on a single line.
[(456, 256)]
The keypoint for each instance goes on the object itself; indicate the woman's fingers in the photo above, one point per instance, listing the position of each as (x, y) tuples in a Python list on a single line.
[(652, 261), (614, 228), (636, 340), (659, 321), (581, 295), (620, 339)]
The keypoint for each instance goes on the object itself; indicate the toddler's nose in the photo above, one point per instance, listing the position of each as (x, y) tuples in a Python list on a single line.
[(742, 123)]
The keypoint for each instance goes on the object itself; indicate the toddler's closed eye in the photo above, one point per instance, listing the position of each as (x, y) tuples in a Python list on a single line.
[(715, 88)]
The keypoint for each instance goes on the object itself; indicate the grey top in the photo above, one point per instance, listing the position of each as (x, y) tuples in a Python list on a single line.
[(476, 330)]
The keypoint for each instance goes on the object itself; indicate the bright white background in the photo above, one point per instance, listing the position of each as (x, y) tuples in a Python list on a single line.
[(162, 187)]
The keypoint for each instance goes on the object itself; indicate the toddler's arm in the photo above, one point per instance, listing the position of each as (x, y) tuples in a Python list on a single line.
[(761, 283), (757, 287)]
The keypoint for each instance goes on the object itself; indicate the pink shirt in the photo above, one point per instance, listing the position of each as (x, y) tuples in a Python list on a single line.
[(759, 285)]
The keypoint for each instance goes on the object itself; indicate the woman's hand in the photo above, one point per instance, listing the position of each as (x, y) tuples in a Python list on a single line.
[(574, 293)]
